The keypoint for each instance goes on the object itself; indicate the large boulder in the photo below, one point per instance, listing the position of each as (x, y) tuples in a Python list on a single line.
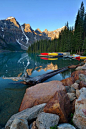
[(28, 114), (59, 104), (79, 118), (46, 120), (40, 93), (19, 124), (68, 81)]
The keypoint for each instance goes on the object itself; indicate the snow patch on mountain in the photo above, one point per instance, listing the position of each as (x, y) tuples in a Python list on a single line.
[(17, 40), (24, 34), (9, 18)]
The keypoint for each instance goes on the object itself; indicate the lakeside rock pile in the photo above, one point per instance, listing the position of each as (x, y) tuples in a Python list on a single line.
[(55, 104)]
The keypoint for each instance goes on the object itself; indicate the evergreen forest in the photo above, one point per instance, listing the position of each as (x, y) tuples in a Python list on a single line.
[(71, 39)]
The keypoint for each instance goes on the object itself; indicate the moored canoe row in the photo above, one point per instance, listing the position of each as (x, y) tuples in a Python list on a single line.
[(57, 54), (79, 57), (51, 54)]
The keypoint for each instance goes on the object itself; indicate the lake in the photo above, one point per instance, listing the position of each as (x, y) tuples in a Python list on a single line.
[(15, 64)]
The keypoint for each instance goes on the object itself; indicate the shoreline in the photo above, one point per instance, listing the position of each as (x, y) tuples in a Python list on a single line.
[(65, 85)]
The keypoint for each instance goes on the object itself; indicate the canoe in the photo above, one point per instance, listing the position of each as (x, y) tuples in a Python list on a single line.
[(81, 57), (60, 54), (52, 54), (45, 54), (78, 57)]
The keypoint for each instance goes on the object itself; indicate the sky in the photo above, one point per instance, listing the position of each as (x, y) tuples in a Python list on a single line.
[(42, 14)]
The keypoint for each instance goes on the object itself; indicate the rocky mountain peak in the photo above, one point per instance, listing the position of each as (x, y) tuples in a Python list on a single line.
[(9, 18), (12, 19), (27, 27), (62, 28), (38, 30), (46, 31)]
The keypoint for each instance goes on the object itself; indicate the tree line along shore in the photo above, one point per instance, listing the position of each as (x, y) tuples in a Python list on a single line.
[(71, 39)]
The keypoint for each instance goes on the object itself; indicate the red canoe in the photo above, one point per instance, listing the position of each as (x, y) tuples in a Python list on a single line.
[(44, 54), (77, 57)]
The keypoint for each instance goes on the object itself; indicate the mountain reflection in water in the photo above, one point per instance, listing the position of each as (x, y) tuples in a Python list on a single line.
[(15, 64)]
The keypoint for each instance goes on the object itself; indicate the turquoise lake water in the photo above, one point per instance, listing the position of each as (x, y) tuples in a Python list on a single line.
[(15, 64)]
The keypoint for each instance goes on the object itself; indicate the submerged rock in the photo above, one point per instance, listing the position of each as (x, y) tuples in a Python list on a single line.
[(40, 93), (59, 104), (46, 120)]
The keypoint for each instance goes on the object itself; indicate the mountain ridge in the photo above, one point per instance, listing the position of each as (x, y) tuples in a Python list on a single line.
[(14, 36)]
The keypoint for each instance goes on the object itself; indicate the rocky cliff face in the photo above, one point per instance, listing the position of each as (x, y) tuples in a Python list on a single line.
[(54, 34), (14, 36)]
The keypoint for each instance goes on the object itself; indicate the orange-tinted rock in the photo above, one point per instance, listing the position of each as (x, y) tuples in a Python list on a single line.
[(59, 104), (68, 81), (75, 74), (40, 93)]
